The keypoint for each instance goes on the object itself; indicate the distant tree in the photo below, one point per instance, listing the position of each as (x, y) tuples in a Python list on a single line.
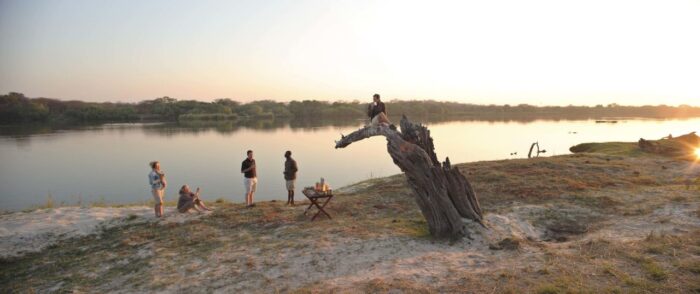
[(165, 100), (14, 107), (232, 105), (250, 110)]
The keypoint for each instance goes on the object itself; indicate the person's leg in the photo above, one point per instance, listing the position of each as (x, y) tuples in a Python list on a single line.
[(185, 208), (162, 192), (155, 202), (253, 187), (200, 203), (158, 200), (375, 121), (194, 206), (246, 186), (383, 119), (291, 190), (286, 186)]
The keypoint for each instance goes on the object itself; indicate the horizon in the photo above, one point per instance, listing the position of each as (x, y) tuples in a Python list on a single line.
[(542, 53), (213, 100)]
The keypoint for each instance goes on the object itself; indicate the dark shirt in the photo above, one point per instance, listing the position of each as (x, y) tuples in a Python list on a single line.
[(374, 111), (185, 198), (290, 169), (246, 164)]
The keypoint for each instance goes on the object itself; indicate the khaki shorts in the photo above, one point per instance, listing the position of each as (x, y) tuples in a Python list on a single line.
[(290, 185), (250, 184), (375, 121), (379, 118), (158, 195)]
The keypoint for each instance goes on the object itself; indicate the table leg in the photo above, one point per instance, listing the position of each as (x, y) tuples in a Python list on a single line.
[(315, 203), (309, 207), (320, 209)]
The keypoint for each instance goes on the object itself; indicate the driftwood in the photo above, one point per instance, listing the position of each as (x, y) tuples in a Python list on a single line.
[(444, 195), (538, 151)]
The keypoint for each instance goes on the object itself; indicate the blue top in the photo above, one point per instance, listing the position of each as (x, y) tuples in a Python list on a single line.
[(155, 181)]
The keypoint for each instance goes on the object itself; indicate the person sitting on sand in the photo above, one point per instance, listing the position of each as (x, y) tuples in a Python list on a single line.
[(189, 200)]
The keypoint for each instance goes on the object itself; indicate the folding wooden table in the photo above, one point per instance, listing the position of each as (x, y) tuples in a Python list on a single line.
[(315, 197)]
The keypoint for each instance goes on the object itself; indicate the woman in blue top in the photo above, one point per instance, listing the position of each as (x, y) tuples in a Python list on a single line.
[(157, 181)]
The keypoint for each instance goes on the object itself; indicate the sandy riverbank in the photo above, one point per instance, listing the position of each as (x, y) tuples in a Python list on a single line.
[(32, 231), (599, 222)]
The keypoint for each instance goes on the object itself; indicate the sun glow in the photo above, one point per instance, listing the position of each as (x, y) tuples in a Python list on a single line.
[(541, 52), (697, 152)]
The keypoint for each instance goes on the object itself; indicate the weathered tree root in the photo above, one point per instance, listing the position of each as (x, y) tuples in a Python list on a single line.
[(444, 195)]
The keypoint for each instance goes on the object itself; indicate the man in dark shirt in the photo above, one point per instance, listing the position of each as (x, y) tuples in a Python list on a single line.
[(377, 111), (290, 175), (250, 180)]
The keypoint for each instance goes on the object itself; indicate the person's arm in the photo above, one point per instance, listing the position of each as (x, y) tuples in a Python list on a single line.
[(252, 166), (384, 109), (161, 179), (295, 168)]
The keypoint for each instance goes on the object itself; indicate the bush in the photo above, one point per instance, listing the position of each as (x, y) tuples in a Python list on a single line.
[(207, 116)]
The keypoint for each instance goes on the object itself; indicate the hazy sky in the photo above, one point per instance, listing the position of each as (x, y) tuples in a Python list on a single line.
[(538, 52)]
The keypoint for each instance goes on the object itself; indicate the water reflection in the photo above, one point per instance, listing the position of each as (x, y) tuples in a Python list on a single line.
[(108, 163), (25, 131)]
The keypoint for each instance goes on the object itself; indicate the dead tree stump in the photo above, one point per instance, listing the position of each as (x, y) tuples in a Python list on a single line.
[(444, 195)]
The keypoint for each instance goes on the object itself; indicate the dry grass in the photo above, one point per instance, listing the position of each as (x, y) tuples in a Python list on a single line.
[(601, 266), (576, 195)]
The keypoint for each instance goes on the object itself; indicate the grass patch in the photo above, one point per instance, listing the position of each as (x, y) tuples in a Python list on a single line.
[(692, 266), (378, 285), (548, 289), (610, 148), (654, 270)]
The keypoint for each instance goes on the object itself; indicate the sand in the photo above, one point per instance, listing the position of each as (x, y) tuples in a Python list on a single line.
[(25, 232)]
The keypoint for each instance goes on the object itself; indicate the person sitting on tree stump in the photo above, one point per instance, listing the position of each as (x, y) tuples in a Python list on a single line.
[(377, 112)]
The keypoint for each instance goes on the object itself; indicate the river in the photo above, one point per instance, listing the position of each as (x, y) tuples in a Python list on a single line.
[(108, 164)]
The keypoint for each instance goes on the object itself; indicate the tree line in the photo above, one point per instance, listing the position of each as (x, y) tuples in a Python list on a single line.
[(16, 108)]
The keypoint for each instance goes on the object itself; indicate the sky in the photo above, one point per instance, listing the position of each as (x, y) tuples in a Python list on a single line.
[(630, 52)]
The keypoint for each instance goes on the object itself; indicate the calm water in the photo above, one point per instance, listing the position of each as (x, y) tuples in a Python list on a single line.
[(108, 163)]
